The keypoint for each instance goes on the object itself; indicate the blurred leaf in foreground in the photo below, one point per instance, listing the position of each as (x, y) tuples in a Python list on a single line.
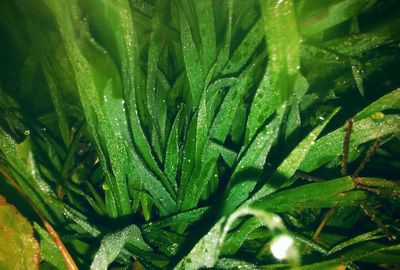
[(18, 248)]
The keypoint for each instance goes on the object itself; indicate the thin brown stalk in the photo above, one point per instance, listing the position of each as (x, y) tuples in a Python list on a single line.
[(370, 153), (323, 223), (348, 127), (69, 262)]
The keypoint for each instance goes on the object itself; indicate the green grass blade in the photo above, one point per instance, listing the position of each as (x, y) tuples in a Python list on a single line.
[(224, 52), (81, 220), (336, 13), (188, 161), (223, 120), (111, 245), (48, 249), (228, 155), (245, 50), (360, 238), (98, 122), (248, 170), (206, 24), (166, 241), (329, 147), (292, 162), (283, 39), (317, 195), (357, 44), (228, 263), (283, 45), (21, 168), (181, 218), (153, 102), (173, 153), (154, 186), (55, 94), (334, 263), (195, 73), (235, 240), (207, 250), (387, 102)]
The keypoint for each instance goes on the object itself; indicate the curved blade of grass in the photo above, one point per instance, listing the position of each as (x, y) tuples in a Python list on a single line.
[(346, 259), (245, 50), (98, 122), (387, 102), (248, 170), (329, 147), (188, 217), (316, 195), (360, 238), (58, 103), (228, 263), (81, 220), (48, 249), (154, 186), (111, 245), (128, 49), (357, 44), (21, 169), (225, 116), (219, 130), (228, 155), (207, 250), (235, 240), (336, 13), (291, 163), (201, 161), (121, 41), (166, 241)]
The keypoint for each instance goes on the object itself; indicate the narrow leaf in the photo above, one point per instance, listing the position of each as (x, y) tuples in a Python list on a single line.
[(291, 163), (111, 245), (330, 146)]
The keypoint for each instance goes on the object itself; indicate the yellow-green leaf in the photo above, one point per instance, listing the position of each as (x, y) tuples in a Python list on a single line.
[(18, 248)]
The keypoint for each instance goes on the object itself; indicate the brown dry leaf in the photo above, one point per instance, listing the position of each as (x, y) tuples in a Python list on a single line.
[(18, 248)]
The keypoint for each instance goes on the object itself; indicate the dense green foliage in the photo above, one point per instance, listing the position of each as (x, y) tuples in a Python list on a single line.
[(184, 133)]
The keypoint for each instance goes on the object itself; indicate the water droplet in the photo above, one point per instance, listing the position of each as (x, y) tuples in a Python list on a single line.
[(105, 186), (281, 246)]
